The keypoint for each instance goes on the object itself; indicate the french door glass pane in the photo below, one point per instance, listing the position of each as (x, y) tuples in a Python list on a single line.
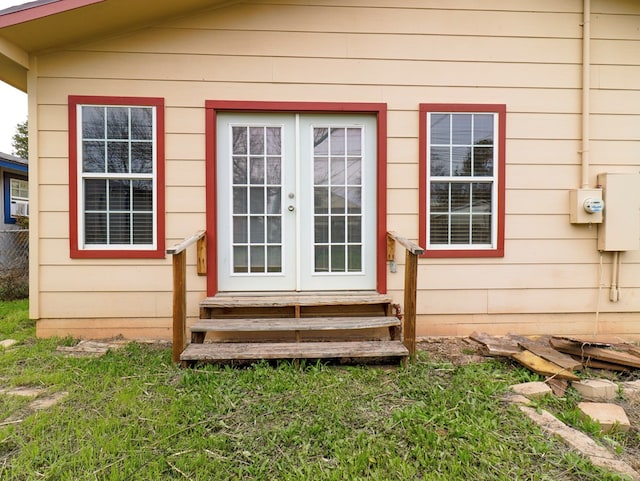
[(257, 199), (337, 178)]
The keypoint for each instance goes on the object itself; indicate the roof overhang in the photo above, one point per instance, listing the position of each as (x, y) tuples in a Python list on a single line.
[(13, 163), (45, 25)]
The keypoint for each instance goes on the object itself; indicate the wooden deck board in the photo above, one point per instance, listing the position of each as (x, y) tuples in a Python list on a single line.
[(294, 324), (288, 299), (292, 350)]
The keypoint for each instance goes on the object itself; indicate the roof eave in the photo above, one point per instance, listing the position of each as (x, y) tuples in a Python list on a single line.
[(40, 9), (14, 64)]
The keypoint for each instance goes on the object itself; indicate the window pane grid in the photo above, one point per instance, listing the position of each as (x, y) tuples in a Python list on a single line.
[(117, 176), (256, 189), (461, 166), (19, 189), (337, 199)]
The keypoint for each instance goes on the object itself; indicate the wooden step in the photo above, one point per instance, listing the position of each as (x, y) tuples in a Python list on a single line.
[(225, 352), (287, 304), (291, 299), (294, 324)]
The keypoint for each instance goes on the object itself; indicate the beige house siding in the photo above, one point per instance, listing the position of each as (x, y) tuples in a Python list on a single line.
[(524, 54)]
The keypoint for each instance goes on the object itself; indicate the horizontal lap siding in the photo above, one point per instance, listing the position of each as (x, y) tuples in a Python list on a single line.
[(526, 55)]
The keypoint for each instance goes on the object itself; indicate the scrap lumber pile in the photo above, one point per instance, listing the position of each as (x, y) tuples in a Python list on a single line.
[(559, 357)]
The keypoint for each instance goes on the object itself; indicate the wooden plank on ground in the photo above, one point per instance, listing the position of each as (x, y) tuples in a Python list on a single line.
[(597, 353), (545, 351), (233, 351), (595, 341), (631, 349), (279, 324), (496, 346), (558, 386), (542, 366), (595, 364)]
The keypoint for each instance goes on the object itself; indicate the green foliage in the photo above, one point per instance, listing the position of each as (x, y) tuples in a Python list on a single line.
[(20, 140), (133, 415), (13, 285), (14, 320)]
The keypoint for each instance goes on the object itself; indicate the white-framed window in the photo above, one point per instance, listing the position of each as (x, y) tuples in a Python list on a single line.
[(117, 180), (462, 197), (19, 197)]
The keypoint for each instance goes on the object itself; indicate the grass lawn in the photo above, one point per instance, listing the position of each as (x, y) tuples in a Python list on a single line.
[(133, 415)]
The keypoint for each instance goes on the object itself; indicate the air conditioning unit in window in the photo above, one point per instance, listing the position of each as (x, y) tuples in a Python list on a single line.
[(19, 208)]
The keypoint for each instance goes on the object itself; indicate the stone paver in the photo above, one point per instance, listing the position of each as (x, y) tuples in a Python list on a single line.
[(48, 401), (610, 416), (7, 343), (532, 390), (598, 455), (88, 349), (517, 398), (631, 390), (596, 389), (24, 391)]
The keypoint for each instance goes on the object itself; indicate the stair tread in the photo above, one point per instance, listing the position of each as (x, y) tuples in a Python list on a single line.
[(233, 351), (293, 324), (289, 299)]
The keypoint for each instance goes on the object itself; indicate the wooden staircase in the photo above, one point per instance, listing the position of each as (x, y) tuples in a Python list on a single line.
[(352, 327)]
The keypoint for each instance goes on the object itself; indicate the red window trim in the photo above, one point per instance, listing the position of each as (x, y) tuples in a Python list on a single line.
[(499, 109), (75, 251), (215, 106)]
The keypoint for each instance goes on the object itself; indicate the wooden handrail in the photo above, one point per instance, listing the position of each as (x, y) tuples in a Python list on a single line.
[(176, 249), (406, 243), (412, 250), (179, 253)]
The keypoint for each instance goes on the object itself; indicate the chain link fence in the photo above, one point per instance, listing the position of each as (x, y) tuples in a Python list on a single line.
[(14, 264)]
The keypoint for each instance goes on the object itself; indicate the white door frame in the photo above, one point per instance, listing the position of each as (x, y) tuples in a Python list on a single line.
[(378, 111)]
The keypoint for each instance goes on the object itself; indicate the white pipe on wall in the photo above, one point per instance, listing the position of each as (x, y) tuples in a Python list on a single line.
[(614, 293), (586, 91)]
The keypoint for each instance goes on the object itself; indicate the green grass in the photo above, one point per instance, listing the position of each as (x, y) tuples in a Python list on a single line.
[(133, 415)]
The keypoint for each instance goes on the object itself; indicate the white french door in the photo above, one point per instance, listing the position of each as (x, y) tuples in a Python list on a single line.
[(296, 202)]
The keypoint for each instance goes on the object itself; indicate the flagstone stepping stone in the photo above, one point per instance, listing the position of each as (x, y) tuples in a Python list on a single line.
[(86, 349), (631, 390), (24, 391), (48, 401), (610, 416)]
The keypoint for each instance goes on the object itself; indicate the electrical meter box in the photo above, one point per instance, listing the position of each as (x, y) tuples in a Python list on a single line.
[(586, 206), (620, 229)]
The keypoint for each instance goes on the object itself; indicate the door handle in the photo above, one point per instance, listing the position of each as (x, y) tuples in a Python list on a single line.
[(291, 208)]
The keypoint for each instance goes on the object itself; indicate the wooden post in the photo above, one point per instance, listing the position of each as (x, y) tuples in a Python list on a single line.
[(179, 304), (410, 288), (180, 286), (201, 255)]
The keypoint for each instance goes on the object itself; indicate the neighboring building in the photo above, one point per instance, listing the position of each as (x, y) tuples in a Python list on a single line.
[(14, 238), (299, 133), (14, 190)]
